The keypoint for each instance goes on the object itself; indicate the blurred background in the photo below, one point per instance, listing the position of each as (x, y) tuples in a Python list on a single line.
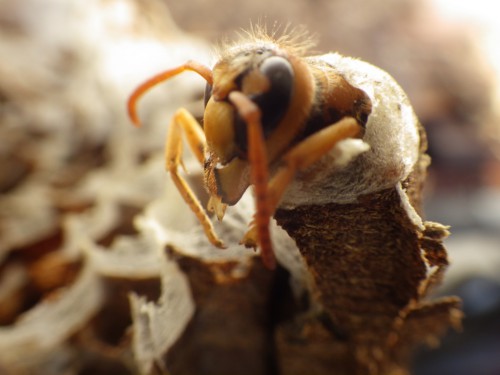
[(67, 67)]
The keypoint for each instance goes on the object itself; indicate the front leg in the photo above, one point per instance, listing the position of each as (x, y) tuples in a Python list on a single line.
[(257, 156), (184, 121)]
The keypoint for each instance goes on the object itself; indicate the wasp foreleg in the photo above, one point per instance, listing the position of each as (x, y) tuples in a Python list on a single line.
[(259, 176), (184, 121)]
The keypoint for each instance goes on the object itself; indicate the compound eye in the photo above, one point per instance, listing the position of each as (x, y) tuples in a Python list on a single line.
[(274, 103), (280, 73), (208, 94)]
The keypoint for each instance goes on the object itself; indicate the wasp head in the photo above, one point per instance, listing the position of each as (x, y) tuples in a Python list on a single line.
[(266, 76)]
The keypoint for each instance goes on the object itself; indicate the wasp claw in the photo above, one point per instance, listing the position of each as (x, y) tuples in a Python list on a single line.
[(249, 240), (219, 244)]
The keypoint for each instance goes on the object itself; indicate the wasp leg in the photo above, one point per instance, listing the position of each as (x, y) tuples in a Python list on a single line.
[(299, 158), (184, 121), (257, 156), (307, 153)]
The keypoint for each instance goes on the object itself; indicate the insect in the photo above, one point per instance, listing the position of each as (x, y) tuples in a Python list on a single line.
[(270, 114)]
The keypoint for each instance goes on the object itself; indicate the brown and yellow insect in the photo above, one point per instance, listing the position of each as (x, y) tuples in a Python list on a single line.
[(270, 114)]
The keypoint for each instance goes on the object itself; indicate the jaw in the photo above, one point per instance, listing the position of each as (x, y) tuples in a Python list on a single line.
[(228, 182)]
